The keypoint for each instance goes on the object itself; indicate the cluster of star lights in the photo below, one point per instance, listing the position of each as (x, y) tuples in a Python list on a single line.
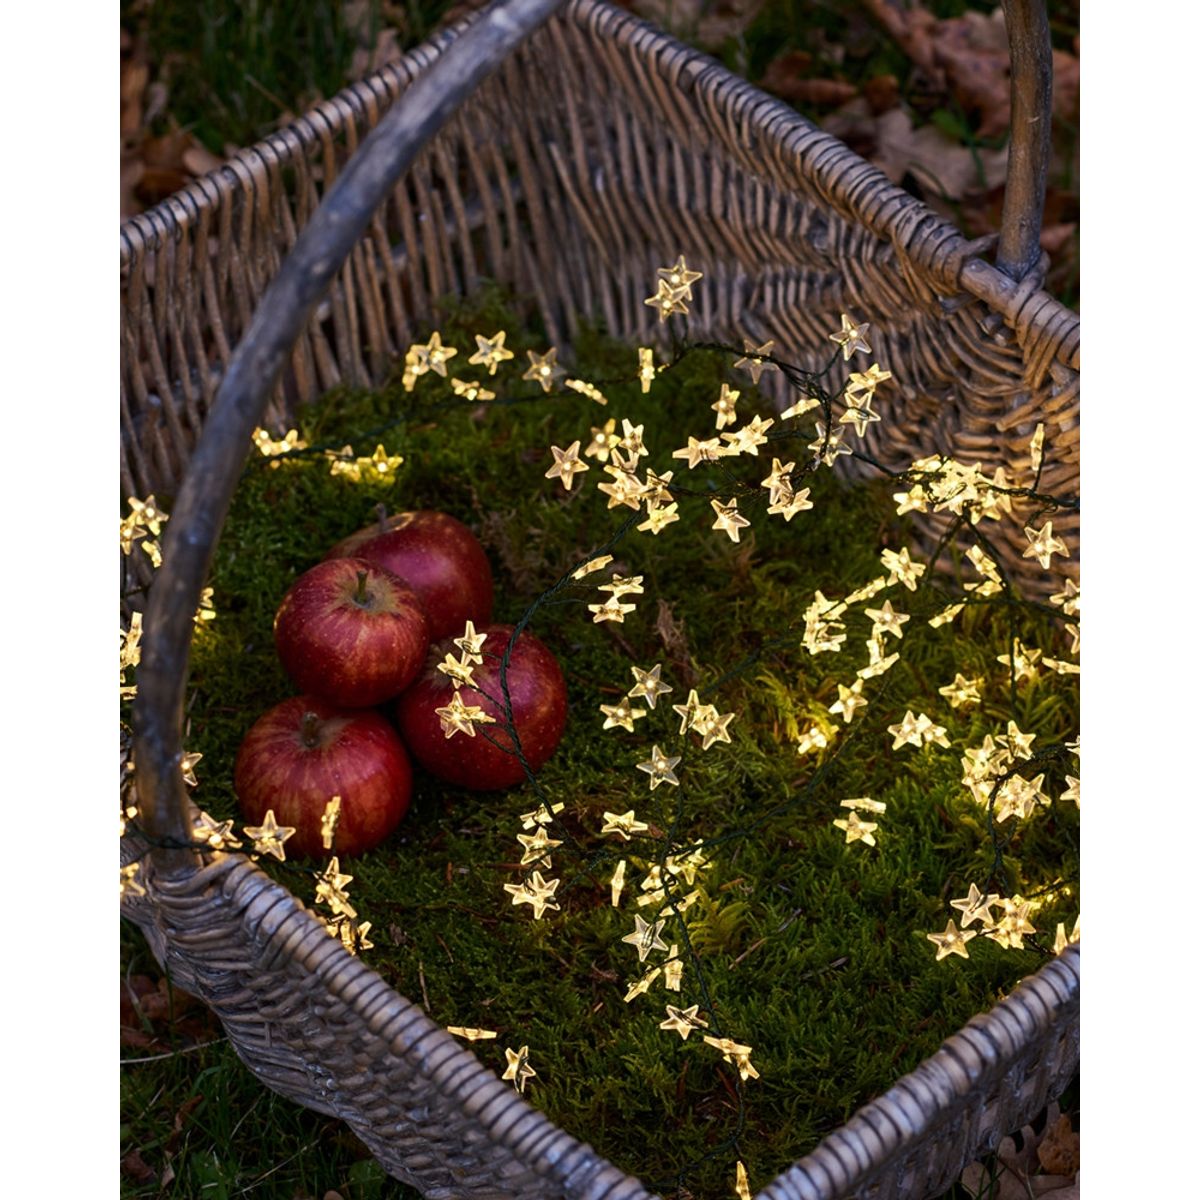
[(998, 773)]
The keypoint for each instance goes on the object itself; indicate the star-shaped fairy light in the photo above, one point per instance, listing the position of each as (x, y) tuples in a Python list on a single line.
[(962, 691), (624, 585), (668, 301), (131, 531), (878, 662), (859, 415), (688, 711), (470, 1034), (270, 447), (828, 446), (129, 880), (726, 406), (1022, 662), (803, 405), (518, 1069), (790, 503), (909, 732), (537, 847), (741, 1183), (851, 337), (645, 937), (778, 483), (343, 462), (683, 1020), (146, 514), (544, 369), (540, 816), (867, 592), (329, 821), (331, 890), (649, 684), (712, 726), (379, 464), (566, 464), (673, 967), (1068, 598), (1071, 792), (646, 368), (604, 440), (1013, 925), (617, 883), (216, 835), (1018, 744), (659, 517), (975, 906), (946, 615), (471, 643), (470, 389), (886, 620), (1019, 797), (642, 986), (626, 488), (679, 278), (752, 359), (952, 941), (914, 500), (1036, 444), (749, 437), (460, 717), (621, 715), (849, 701), (624, 825), (631, 441), (855, 828), (537, 892), (901, 568), (611, 610), (592, 565), (490, 352), (432, 356), (735, 1055), (862, 385), (660, 768), (269, 837), (1043, 544), (697, 451), (153, 551), (729, 519), (590, 390)]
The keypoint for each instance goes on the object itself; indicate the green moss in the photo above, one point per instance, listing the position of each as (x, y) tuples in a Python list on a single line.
[(809, 950)]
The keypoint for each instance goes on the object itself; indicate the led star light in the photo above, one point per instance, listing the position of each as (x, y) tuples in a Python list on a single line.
[(679, 278), (856, 829), (470, 390), (518, 1069), (975, 906), (901, 568), (491, 352), (646, 368), (660, 768), (886, 620), (683, 1021), (752, 359), (470, 1034), (962, 691), (729, 519), (544, 369), (624, 825), (849, 701), (952, 941), (645, 937), (649, 684), (329, 821), (621, 715), (566, 464), (470, 644), (269, 836), (537, 892), (909, 732), (1043, 544), (851, 337), (697, 451), (726, 406), (668, 301), (460, 717)]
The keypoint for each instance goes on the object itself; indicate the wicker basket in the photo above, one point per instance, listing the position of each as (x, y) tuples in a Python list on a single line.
[(598, 149)]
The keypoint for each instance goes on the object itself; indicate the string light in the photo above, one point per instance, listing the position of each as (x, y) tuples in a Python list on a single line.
[(726, 406), (729, 519), (329, 821), (518, 1071), (470, 390), (617, 883), (1043, 544), (621, 715), (460, 717), (660, 768), (646, 368), (849, 701), (490, 352), (668, 301), (269, 837), (962, 691), (952, 941), (590, 390), (648, 684), (544, 369), (645, 937), (624, 825), (752, 359), (683, 1020), (566, 464), (470, 1034), (851, 337)]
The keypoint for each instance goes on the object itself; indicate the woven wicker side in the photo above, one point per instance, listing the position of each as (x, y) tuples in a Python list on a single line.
[(993, 1076), (317, 1025)]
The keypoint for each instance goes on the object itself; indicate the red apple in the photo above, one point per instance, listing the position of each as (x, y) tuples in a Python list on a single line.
[(351, 632), (539, 710), (302, 753), (438, 557)]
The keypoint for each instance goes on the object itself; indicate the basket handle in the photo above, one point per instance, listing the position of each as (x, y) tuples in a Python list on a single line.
[(1032, 97), (207, 489)]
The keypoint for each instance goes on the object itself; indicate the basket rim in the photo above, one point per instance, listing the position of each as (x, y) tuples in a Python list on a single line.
[(934, 246)]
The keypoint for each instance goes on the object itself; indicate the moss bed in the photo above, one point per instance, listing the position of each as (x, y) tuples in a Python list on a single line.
[(813, 951)]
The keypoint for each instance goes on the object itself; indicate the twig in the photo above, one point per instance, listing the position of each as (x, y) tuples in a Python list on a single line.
[(125, 1062)]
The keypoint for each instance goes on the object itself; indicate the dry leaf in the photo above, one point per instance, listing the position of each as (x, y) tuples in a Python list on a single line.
[(1059, 1149), (1015, 1174), (942, 166), (133, 1167)]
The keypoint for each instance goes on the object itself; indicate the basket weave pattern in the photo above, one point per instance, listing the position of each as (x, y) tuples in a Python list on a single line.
[(600, 150)]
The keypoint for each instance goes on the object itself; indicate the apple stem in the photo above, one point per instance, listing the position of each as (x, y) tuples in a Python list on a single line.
[(360, 594), (310, 728), (381, 512)]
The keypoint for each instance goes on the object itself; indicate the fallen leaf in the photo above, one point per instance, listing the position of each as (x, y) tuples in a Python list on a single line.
[(134, 1167), (1058, 1151)]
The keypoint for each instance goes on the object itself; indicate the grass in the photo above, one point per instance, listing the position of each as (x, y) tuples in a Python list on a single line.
[(809, 950)]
